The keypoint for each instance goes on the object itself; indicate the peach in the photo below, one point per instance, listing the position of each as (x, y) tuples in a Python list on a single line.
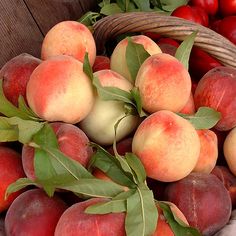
[(204, 201), (99, 123), (189, 107), (101, 63), (74, 221), (70, 38), (208, 151), (59, 90), (15, 75), (216, 89), (34, 213), (10, 170), (167, 145), (118, 57), (164, 83), (123, 146), (228, 179), (72, 141), (229, 149), (2, 227)]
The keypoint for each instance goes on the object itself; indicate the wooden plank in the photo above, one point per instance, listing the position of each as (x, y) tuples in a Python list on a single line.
[(19, 32), (47, 13)]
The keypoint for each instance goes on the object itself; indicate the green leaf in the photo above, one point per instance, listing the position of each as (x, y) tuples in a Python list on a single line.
[(135, 56), (18, 185), (7, 108), (93, 187), (110, 9), (170, 5), (112, 93), (179, 229), (89, 18), (107, 163), (143, 5), (26, 128), (137, 98), (142, 214), (87, 67), (137, 167), (112, 206), (184, 50), (8, 132), (204, 118)]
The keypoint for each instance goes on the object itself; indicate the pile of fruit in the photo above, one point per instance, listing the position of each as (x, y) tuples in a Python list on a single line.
[(136, 142)]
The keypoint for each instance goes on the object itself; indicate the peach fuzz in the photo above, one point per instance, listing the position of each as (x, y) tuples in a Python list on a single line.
[(99, 123), (59, 90), (229, 149), (34, 213), (118, 57), (164, 83), (216, 89), (72, 141), (10, 170), (167, 145), (69, 38), (15, 75), (208, 151)]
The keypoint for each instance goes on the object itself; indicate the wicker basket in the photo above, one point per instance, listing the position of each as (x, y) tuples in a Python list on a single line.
[(211, 42)]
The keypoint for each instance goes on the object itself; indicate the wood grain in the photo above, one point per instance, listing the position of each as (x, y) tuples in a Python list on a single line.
[(19, 32)]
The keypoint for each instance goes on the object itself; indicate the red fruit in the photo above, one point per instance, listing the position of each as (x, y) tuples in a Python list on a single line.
[(101, 63), (194, 14), (210, 6), (227, 7), (227, 28), (168, 41), (201, 62), (154, 36)]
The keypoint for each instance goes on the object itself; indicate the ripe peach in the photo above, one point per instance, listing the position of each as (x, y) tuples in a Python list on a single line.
[(73, 142), (99, 123), (101, 63), (2, 227), (208, 151), (10, 170), (123, 146), (65, 91), (34, 213), (118, 57), (70, 38), (164, 83), (229, 149), (167, 145), (74, 221), (204, 201), (216, 89), (189, 107), (15, 75)]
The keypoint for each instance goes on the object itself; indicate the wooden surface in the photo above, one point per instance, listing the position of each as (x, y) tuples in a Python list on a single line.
[(23, 23)]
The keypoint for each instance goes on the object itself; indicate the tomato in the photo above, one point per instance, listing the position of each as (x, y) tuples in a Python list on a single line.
[(227, 7), (210, 6)]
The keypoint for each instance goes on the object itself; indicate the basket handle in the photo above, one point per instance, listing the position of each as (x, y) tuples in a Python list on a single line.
[(177, 28)]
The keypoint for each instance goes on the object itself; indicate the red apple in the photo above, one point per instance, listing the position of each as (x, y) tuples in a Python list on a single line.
[(227, 7), (210, 6)]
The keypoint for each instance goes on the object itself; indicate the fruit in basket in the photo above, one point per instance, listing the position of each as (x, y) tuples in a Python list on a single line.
[(34, 213), (204, 201), (99, 123), (59, 90), (210, 6), (118, 57), (164, 83), (192, 13), (69, 38), (227, 7), (167, 145), (101, 63), (216, 89), (189, 107), (72, 141), (15, 74), (208, 151), (10, 170), (230, 150)]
